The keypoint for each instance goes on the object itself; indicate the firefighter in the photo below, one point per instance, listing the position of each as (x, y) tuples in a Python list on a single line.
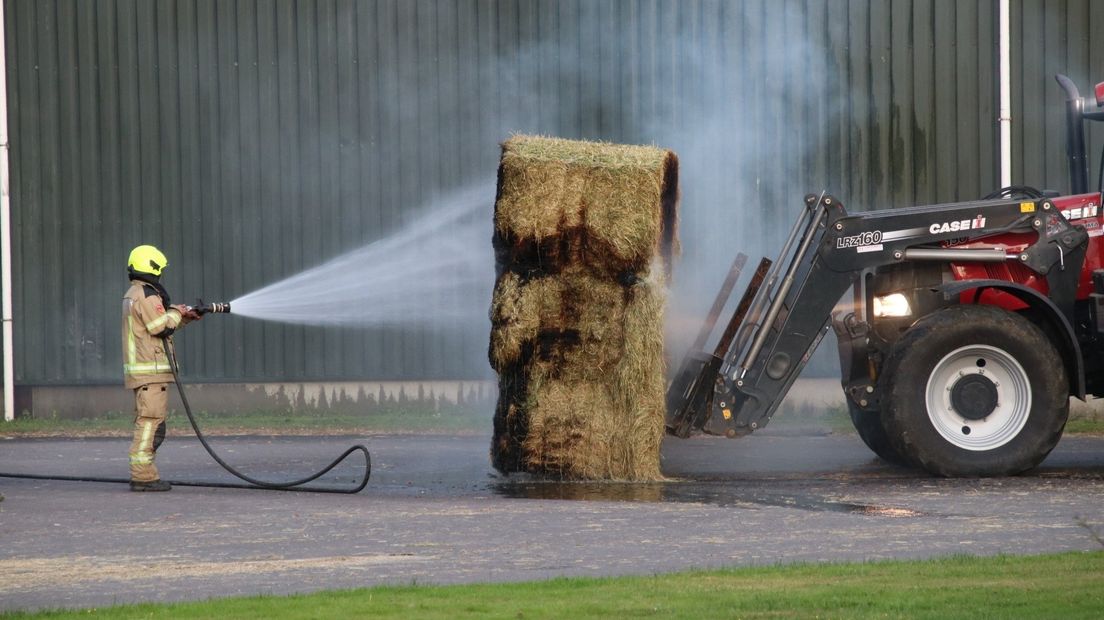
[(148, 324)]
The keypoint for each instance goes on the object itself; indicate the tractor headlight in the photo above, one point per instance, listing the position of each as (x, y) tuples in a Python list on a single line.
[(892, 305)]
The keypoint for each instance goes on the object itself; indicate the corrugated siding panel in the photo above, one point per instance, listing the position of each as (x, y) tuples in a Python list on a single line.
[(1050, 38), (255, 139)]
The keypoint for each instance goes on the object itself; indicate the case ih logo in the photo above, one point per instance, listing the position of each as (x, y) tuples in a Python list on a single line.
[(957, 226), (1080, 213)]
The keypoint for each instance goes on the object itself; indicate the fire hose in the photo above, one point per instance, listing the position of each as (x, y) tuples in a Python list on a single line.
[(254, 483)]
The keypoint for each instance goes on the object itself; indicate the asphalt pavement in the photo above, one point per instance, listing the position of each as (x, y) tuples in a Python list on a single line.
[(436, 512)]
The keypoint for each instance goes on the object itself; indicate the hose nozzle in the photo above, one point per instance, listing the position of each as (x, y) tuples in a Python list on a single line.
[(202, 308)]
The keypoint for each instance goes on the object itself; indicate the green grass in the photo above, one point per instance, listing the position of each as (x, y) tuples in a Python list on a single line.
[(833, 418), (1085, 427), (389, 419), (1086, 417), (1068, 585)]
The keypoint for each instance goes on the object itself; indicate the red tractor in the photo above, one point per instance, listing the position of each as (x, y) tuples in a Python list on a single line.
[(967, 327)]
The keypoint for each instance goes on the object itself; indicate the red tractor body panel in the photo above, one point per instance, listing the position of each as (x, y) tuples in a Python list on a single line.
[(1081, 210)]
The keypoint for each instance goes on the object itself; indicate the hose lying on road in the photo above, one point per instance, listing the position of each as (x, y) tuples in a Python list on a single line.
[(254, 483)]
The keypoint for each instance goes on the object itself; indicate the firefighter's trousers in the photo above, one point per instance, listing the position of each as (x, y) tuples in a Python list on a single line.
[(151, 405)]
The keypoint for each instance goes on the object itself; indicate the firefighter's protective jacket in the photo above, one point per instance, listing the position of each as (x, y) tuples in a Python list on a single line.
[(146, 323)]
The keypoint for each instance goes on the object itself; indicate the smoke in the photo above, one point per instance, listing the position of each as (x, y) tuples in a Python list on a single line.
[(750, 117), (742, 111)]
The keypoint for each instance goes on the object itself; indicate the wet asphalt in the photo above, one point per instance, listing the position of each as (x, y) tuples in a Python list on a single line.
[(435, 512)]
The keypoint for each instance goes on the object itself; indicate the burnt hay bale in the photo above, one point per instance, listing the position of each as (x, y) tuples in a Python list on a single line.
[(584, 235)]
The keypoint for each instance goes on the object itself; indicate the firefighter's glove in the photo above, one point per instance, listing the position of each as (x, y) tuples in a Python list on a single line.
[(187, 313)]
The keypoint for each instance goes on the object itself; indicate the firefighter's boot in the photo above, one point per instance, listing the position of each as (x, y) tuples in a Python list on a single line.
[(156, 485)]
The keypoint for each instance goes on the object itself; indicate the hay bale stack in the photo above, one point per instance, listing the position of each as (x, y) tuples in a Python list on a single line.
[(584, 234)]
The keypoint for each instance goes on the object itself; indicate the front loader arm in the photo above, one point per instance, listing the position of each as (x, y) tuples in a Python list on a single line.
[(827, 252), (786, 322)]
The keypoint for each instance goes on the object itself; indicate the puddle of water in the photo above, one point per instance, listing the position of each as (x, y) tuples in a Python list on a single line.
[(583, 491), (688, 492), (884, 511)]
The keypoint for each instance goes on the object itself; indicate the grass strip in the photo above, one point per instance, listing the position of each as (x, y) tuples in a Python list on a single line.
[(382, 420), (1085, 426), (1066, 585)]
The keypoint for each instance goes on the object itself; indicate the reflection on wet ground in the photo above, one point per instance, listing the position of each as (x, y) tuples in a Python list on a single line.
[(723, 494), (829, 474)]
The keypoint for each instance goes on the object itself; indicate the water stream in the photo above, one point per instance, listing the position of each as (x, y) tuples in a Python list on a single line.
[(437, 269)]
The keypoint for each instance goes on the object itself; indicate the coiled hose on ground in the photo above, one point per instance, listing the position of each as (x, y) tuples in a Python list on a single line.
[(254, 483)]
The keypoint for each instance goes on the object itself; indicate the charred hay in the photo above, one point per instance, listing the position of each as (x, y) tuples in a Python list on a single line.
[(584, 235)]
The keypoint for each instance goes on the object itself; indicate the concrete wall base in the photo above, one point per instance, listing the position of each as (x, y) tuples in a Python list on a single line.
[(76, 402)]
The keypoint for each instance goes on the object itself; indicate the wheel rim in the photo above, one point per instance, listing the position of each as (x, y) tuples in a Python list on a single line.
[(971, 366)]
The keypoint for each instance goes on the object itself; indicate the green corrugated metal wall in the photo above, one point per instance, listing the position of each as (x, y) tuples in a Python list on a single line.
[(253, 139), (1048, 38)]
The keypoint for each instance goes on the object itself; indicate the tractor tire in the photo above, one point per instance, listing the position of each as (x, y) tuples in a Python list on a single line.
[(872, 432), (975, 391)]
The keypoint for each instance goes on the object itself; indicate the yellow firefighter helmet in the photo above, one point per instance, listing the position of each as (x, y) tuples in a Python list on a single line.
[(147, 259)]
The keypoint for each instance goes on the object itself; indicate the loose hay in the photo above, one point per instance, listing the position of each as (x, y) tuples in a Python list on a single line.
[(584, 234)]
